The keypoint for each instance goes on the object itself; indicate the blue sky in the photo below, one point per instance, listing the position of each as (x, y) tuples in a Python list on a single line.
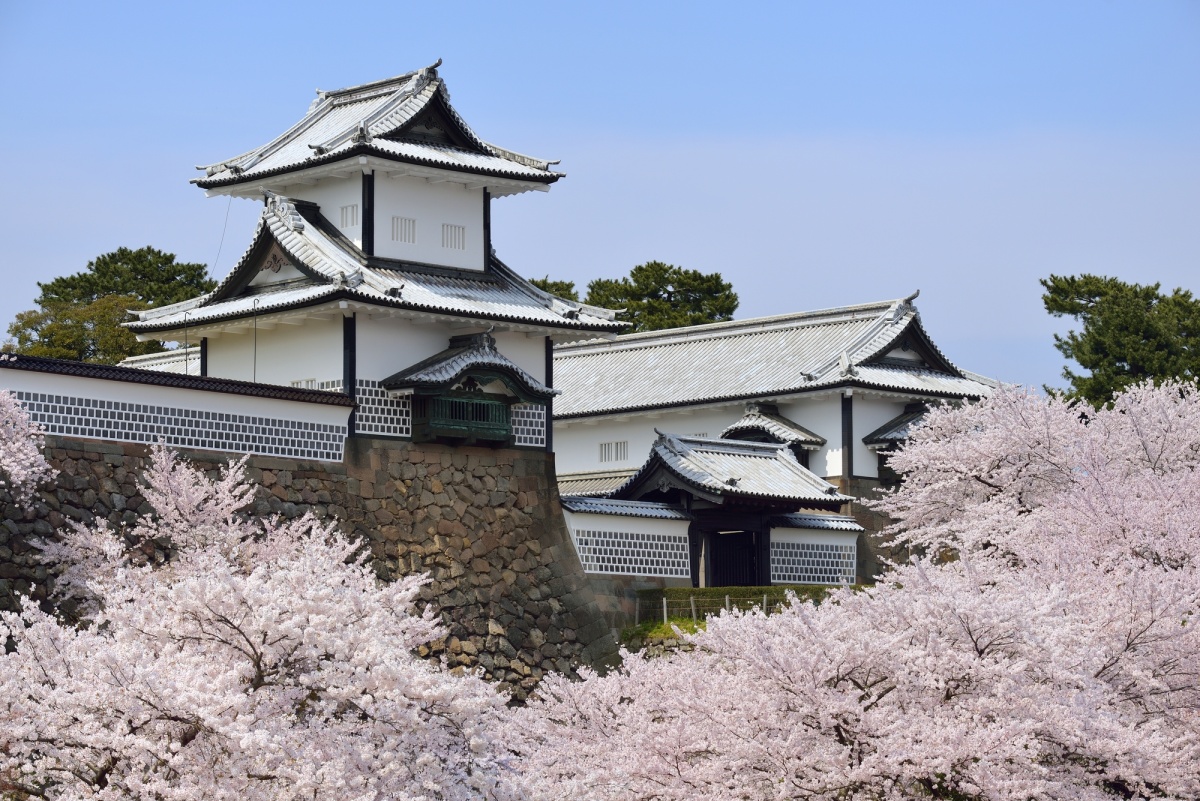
[(816, 154)]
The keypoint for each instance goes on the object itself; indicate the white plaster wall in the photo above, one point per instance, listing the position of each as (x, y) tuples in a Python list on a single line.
[(285, 353), (587, 521), (528, 353), (822, 416), (869, 414), (122, 391), (331, 194), (430, 205), (577, 446), (814, 536), (387, 345)]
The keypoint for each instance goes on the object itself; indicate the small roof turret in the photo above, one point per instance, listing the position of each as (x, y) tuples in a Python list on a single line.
[(404, 124)]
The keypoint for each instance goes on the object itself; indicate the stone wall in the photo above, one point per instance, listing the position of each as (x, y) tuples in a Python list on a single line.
[(873, 549), (617, 596), (485, 524)]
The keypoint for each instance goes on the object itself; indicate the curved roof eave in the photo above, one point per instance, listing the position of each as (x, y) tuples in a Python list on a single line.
[(366, 149), (347, 293)]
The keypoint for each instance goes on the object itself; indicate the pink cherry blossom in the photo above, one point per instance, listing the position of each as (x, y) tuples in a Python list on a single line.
[(1040, 644), (264, 660), (22, 466)]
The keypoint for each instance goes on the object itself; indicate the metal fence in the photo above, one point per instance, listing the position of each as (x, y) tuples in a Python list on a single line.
[(699, 607)]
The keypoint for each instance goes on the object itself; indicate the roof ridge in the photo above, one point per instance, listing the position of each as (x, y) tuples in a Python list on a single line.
[(380, 84), (753, 325)]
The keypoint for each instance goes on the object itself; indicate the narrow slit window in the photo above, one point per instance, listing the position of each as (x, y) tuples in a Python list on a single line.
[(404, 229), (614, 451), (350, 216), (454, 237)]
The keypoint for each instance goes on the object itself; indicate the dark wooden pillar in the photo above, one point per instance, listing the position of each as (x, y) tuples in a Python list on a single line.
[(847, 440), (368, 213), (487, 233), (350, 364), (764, 555), (204, 356), (694, 535), (549, 381)]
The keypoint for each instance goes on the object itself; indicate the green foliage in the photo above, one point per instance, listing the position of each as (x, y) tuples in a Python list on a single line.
[(86, 333), (1130, 333), (80, 316), (658, 295), (656, 631), (562, 289), (152, 276)]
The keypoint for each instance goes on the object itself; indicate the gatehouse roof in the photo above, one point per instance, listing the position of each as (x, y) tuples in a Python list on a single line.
[(721, 469)]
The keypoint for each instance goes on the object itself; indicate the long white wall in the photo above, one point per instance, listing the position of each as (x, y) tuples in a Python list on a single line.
[(285, 353), (431, 206), (121, 411)]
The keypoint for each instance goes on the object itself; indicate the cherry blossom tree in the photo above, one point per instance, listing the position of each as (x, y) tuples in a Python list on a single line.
[(263, 660), (22, 466), (1042, 644)]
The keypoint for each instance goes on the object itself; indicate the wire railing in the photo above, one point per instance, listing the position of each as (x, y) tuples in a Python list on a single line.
[(664, 606)]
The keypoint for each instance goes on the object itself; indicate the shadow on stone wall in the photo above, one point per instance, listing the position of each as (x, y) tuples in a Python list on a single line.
[(485, 524)]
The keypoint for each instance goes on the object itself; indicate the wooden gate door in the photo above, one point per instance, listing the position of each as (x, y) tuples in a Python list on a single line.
[(734, 559)]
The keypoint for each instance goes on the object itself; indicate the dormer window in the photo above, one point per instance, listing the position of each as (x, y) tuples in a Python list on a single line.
[(471, 393)]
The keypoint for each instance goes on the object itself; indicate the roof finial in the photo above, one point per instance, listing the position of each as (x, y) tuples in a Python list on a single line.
[(845, 365), (912, 297)]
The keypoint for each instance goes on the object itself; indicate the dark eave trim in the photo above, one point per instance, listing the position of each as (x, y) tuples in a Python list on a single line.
[(132, 375)]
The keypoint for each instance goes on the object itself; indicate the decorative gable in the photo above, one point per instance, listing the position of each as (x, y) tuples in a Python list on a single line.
[(275, 267), (433, 125)]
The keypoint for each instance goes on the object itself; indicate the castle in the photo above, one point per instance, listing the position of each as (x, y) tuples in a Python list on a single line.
[(382, 365)]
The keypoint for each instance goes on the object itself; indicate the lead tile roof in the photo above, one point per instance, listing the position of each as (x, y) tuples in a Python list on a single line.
[(356, 120), (816, 521), (609, 506), (755, 358), (339, 270), (736, 469), (592, 484)]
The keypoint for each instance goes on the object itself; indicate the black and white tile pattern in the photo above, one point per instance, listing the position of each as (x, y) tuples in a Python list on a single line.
[(633, 553), (124, 421)]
